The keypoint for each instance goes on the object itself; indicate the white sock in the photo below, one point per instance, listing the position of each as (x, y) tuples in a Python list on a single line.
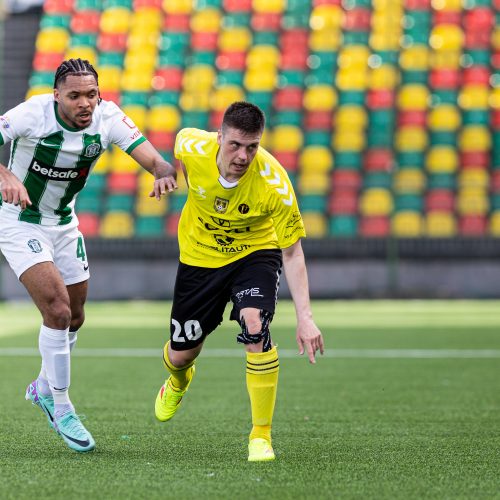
[(42, 382), (54, 348)]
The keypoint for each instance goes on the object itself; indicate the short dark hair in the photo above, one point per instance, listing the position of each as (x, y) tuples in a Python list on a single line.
[(244, 116), (76, 67)]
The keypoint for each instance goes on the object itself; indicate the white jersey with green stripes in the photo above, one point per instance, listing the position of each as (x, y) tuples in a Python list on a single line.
[(54, 160)]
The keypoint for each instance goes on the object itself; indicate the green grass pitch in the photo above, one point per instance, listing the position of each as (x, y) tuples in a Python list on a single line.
[(404, 404)]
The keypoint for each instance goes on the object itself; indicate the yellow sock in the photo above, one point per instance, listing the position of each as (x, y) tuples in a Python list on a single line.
[(262, 382), (180, 376)]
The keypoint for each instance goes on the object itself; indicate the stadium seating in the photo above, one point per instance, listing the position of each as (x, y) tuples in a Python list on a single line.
[(385, 114)]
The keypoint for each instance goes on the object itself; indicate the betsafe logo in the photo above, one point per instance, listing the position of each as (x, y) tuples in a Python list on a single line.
[(57, 174)]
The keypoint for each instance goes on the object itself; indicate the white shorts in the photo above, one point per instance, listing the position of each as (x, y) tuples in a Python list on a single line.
[(25, 244)]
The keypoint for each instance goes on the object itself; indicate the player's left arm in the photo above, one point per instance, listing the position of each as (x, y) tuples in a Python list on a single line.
[(164, 173), (308, 335)]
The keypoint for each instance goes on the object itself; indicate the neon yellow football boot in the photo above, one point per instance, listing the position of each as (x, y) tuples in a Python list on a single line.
[(169, 398), (260, 450)]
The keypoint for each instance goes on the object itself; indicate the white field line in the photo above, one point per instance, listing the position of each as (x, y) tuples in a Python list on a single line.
[(284, 353)]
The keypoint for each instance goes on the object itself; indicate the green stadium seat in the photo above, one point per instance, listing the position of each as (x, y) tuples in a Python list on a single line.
[(344, 226), (149, 227)]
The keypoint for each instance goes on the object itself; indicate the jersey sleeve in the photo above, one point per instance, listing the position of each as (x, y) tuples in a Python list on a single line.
[(21, 121), (122, 130), (287, 219), (182, 137)]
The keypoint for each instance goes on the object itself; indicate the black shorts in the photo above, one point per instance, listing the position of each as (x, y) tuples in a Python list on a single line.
[(201, 295)]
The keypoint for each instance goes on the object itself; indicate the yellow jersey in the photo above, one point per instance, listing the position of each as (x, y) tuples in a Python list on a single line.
[(222, 222)]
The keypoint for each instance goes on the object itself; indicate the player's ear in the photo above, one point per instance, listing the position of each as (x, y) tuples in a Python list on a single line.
[(219, 137), (56, 95)]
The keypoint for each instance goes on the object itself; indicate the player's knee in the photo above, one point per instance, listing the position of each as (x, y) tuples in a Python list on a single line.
[(253, 323), (261, 337), (57, 314), (77, 320)]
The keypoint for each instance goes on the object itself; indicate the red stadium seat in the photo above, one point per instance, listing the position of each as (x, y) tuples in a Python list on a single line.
[(119, 182), (357, 19), (477, 39), (379, 99), (479, 75), (140, 4), (85, 21), (479, 19), (377, 227), (417, 4), (288, 98), (163, 141), (472, 225), (495, 119), (172, 224), (288, 159), (44, 61), (444, 79), (111, 96), (201, 41), (294, 39), (378, 159), (237, 5), (447, 17), (474, 158), (439, 200), (216, 119), (495, 182), (88, 224), (266, 21), (412, 117), (168, 78), (318, 120), (343, 202), (231, 60), (112, 42), (176, 22), (58, 6), (346, 180), (295, 59)]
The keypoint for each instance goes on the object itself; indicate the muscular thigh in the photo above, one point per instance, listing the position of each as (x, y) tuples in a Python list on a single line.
[(200, 297)]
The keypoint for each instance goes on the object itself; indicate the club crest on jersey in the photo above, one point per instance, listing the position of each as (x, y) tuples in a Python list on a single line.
[(223, 239), (92, 150), (221, 205), (35, 246), (5, 122)]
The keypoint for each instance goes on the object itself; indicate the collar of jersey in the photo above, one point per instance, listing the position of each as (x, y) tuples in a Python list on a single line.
[(62, 122)]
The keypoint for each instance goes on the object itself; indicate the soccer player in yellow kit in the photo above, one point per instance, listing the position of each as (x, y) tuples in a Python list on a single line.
[(240, 223)]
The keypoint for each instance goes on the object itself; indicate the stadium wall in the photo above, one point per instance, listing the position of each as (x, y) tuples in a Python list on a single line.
[(357, 268)]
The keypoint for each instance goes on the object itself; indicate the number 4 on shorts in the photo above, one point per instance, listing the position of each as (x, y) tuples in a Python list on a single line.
[(80, 249)]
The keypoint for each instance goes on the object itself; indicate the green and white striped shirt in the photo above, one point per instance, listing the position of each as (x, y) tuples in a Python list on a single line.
[(54, 160)]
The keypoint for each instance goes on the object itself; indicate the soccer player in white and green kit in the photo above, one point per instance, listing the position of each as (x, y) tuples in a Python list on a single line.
[(56, 139), (240, 222)]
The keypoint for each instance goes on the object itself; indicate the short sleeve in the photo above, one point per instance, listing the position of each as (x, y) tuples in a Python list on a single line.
[(179, 140), (122, 130), (21, 121)]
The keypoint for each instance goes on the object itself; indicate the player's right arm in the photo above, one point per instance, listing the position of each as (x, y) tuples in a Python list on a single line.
[(12, 189)]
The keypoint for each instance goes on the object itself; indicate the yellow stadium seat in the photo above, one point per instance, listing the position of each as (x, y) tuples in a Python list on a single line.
[(320, 98), (141, 60), (447, 5), (269, 6), (314, 183), (440, 224), (326, 17), (324, 41), (83, 53), (287, 138), (225, 95), (348, 140), (178, 7), (151, 206), (117, 225), (449, 59), (146, 19), (351, 117), (137, 114), (385, 40), (103, 164), (376, 202), (474, 97), (474, 178), (411, 138), (147, 41), (444, 117), (387, 20), (109, 78), (263, 56), (316, 159), (409, 180), (352, 78), (198, 78), (472, 201), (495, 98), (446, 37), (115, 20), (494, 226), (259, 80), (415, 58), (122, 162), (39, 90), (52, 40), (235, 39), (206, 21), (315, 224), (354, 56), (442, 159), (495, 38), (413, 97), (136, 82), (407, 224), (385, 77), (474, 138), (195, 101)]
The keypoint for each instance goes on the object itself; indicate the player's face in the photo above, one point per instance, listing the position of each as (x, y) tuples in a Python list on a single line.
[(236, 152), (77, 98)]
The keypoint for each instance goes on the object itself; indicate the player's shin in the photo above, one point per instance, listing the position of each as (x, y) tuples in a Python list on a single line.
[(180, 377), (262, 383)]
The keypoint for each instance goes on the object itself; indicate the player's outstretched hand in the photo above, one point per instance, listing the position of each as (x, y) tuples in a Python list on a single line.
[(162, 185), (13, 190), (309, 339)]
